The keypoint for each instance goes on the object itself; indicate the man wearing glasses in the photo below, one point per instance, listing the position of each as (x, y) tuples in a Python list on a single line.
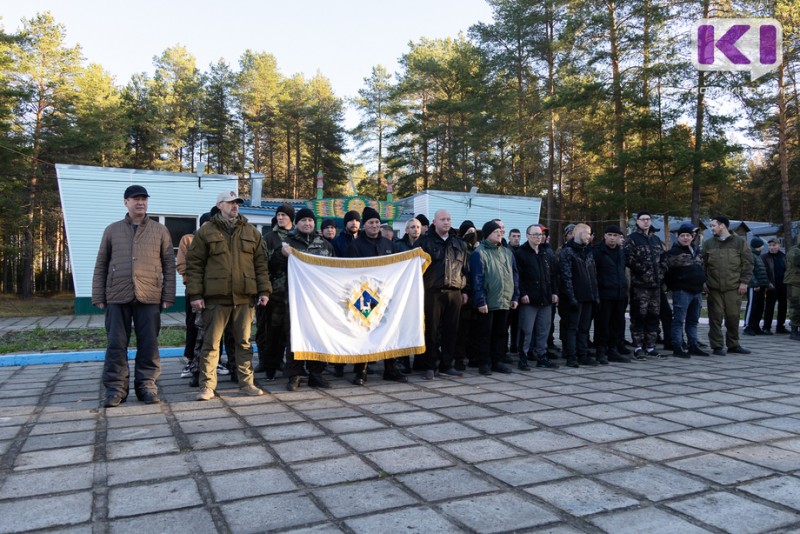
[(644, 256)]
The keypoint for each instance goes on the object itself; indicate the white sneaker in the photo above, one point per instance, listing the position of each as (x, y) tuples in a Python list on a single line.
[(222, 370), (187, 372), (205, 394)]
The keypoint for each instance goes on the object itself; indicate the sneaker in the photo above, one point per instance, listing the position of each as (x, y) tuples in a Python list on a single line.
[(485, 370), (572, 362), (719, 352), (453, 373), (749, 332), (586, 360), (187, 371), (293, 384), (639, 355), (360, 379), (222, 370), (251, 390), (766, 332), (739, 350), (602, 360), (205, 394), (428, 375), (680, 353), (270, 374), (653, 353), (545, 362), (694, 350), (316, 380), (622, 349)]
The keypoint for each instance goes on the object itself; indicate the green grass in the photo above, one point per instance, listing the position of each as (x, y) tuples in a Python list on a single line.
[(44, 340), (55, 304)]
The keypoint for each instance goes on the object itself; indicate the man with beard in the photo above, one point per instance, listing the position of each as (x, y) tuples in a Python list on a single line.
[(226, 273), (352, 224), (371, 243)]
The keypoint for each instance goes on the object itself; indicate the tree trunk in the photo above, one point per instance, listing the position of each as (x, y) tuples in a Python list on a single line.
[(697, 164), (783, 152), (616, 89)]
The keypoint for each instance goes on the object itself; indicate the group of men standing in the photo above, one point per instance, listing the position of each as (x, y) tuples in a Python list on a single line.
[(233, 275)]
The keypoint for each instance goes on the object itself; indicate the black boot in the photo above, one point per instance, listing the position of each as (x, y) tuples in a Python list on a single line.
[(600, 356), (522, 365), (795, 333)]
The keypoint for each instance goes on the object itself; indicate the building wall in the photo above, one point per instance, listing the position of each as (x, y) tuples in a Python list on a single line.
[(92, 198), (515, 211)]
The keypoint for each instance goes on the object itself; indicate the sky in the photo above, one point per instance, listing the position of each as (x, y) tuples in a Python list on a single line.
[(342, 39)]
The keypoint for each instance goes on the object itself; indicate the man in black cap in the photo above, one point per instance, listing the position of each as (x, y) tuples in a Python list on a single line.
[(134, 279), (271, 320), (644, 256), (304, 239), (775, 262), (352, 224), (685, 277), (371, 243), (612, 286), (729, 266)]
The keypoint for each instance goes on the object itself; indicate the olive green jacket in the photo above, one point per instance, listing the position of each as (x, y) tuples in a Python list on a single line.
[(227, 268), (728, 263), (792, 276)]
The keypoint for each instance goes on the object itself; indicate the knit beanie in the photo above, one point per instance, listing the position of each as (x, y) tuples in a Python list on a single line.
[(466, 225), (303, 213), (369, 213), (489, 227), (351, 216), (287, 209)]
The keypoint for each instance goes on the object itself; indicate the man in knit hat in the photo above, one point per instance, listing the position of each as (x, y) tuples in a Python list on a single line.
[(352, 224), (272, 319), (495, 286), (371, 243), (304, 239), (328, 229), (423, 220)]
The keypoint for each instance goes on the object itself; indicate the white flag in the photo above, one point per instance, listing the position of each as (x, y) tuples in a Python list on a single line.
[(356, 310)]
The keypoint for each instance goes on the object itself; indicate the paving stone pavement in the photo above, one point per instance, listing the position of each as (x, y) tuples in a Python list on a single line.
[(663, 446)]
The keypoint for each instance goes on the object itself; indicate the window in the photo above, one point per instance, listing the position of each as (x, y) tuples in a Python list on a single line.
[(178, 227)]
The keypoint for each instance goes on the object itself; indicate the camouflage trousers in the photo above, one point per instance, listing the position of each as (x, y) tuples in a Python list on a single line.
[(645, 313), (794, 304)]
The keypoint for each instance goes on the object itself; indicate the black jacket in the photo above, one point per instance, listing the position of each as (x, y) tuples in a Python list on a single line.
[(448, 268), (537, 274), (776, 267), (366, 247), (341, 243), (685, 270), (578, 273), (612, 282)]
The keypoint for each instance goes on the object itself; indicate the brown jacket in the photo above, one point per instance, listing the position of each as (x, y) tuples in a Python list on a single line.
[(134, 267), (227, 268), (183, 248)]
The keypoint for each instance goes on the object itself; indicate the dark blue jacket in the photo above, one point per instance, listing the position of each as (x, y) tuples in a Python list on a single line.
[(612, 281)]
